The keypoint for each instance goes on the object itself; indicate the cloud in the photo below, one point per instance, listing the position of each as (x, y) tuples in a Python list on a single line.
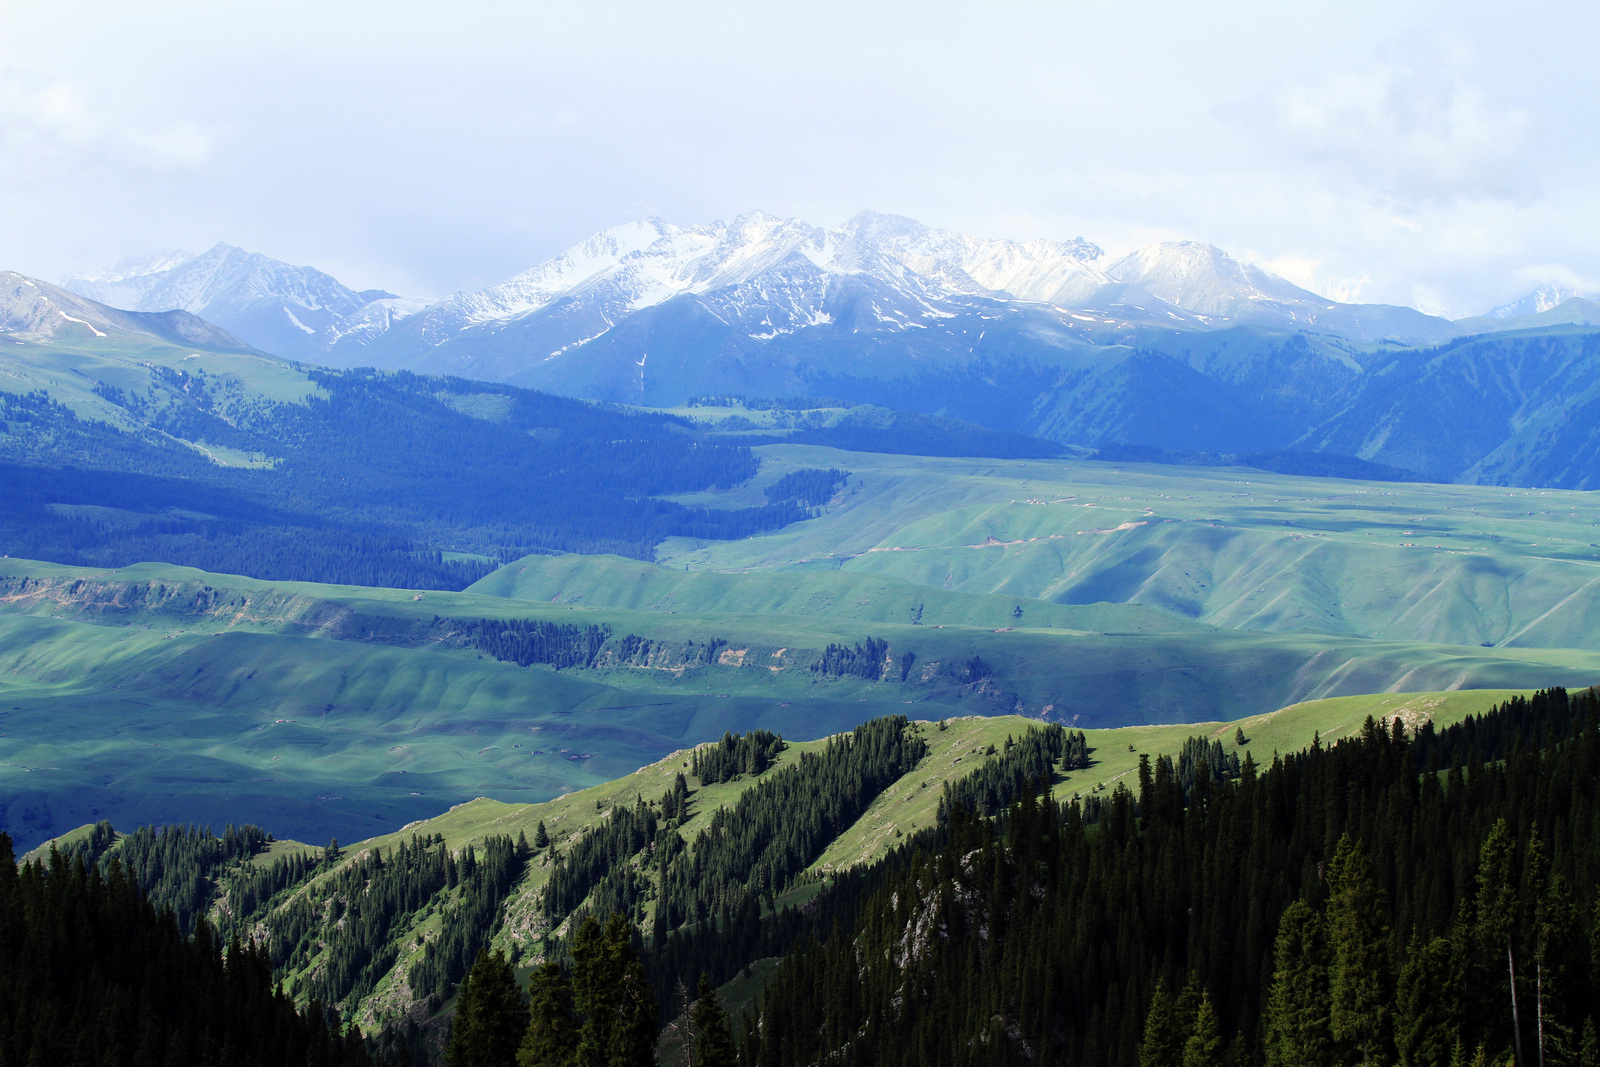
[(61, 121), (1412, 129)]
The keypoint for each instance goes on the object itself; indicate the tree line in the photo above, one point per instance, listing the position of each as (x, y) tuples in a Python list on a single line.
[(748, 753), (810, 486)]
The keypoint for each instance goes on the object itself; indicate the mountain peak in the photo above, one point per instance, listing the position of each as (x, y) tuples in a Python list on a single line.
[(278, 307), (1202, 278), (1544, 298)]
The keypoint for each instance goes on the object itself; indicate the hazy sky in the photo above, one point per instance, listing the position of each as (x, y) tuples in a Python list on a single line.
[(1445, 155)]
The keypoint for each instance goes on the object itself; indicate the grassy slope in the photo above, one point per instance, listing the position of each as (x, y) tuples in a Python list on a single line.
[(69, 372), (1240, 549)]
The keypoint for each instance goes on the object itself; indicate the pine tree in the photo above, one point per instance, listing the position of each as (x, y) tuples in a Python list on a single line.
[(490, 1015), (1297, 1006), (713, 1044), (1358, 975), (541, 837), (551, 1039), (1204, 1045), (1163, 1038)]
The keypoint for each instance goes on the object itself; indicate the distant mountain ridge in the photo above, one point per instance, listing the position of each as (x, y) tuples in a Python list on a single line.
[(768, 278), (291, 311), (1176, 347), (38, 311)]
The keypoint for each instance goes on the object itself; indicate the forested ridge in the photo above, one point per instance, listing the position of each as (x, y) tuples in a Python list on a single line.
[(1387, 899), (92, 973), (366, 482)]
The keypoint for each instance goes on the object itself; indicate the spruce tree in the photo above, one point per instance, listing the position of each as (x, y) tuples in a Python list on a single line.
[(1297, 1005), (612, 993), (1204, 1045), (541, 837), (1358, 983), (713, 1040), (1496, 926), (551, 1039), (1427, 1003), (1163, 1038), (490, 1015)]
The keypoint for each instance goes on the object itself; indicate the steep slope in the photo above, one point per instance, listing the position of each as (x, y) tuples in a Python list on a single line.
[(480, 873), (1503, 409), (163, 694)]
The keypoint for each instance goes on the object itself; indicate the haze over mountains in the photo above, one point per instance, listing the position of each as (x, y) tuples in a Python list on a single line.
[(1176, 347)]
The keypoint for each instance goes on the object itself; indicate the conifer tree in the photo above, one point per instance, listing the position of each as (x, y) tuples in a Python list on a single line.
[(611, 992), (713, 1041), (1589, 1045), (1497, 920), (1204, 1045), (551, 1039), (490, 1015), (541, 837), (1427, 1003), (1297, 1005), (1163, 1037), (1358, 983)]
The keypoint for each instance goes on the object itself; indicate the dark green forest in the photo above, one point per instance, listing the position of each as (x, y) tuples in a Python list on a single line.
[(1394, 898), (368, 483), (92, 973), (1384, 900)]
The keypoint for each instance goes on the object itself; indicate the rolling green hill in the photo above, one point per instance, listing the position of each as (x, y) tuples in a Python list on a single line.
[(161, 694), (1241, 549)]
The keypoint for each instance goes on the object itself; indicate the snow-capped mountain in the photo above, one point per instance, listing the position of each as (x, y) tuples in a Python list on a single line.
[(291, 311), (651, 312), (740, 299), (1544, 298), (640, 264)]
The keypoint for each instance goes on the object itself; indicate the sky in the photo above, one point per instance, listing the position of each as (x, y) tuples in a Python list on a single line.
[(1445, 156)]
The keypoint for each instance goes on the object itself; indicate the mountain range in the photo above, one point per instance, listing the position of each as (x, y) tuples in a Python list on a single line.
[(298, 312), (1177, 348)]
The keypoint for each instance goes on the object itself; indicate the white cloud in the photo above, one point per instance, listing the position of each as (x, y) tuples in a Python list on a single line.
[(1412, 129), (61, 121)]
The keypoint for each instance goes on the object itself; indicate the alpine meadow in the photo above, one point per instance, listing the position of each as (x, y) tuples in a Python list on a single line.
[(709, 637)]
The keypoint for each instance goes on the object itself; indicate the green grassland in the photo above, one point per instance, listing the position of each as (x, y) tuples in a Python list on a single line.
[(1241, 549), (160, 694)]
